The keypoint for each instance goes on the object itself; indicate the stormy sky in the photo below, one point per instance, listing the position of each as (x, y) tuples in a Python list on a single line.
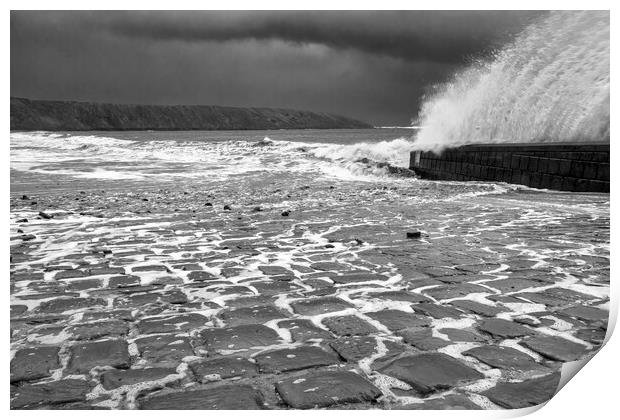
[(373, 66)]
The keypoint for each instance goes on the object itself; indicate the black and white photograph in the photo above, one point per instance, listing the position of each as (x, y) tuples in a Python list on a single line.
[(306, 209)]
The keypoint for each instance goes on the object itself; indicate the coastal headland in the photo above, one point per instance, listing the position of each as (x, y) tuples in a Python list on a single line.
[(35, 115)]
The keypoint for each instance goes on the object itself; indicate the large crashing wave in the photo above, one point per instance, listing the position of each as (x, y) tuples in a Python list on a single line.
[(550, 85)]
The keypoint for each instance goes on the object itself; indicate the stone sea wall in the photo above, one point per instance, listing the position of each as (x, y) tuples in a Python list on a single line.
[(557, 166)]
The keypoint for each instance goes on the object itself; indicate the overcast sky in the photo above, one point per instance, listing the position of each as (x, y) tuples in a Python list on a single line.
[(373, 66)]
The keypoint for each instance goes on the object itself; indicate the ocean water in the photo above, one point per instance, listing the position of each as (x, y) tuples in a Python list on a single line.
[(160, 157), (238, 161)]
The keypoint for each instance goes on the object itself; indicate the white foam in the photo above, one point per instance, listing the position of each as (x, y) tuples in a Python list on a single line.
[(99, 157)]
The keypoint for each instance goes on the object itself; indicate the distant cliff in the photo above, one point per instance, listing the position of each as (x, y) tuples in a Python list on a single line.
[(29, 114)]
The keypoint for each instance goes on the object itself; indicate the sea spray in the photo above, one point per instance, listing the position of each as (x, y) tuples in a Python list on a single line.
[(551, 84)]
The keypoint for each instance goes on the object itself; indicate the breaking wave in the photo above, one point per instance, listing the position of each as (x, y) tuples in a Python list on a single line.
[(395, 152), (550, 85), (381, 159)]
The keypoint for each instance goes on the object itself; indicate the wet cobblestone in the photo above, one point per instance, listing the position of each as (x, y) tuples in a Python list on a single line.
[(117, 302)]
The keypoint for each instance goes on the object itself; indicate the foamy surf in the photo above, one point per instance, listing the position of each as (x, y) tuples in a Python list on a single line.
[(395, 152), (109, 158)]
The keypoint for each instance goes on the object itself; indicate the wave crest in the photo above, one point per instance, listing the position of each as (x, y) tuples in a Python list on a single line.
[(393, 152)]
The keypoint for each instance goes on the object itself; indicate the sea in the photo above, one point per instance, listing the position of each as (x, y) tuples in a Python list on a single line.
[(151, 156)]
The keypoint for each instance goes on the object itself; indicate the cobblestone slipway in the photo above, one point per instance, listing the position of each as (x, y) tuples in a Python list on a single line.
[(303, 296)]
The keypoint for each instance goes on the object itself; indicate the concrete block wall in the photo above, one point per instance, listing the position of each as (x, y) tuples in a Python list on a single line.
[(558, 166)]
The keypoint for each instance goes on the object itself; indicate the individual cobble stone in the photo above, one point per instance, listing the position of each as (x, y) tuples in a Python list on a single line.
[(86, 356), (455, 291), (318, 306), (251, 301), (223, 368), (105, 270), (302, 330), (358, 278), (398, 320), (460, 335), (586, 313), (556, 296), (99, 329), (171, 323), (34, 363), (478, 308), (555, 348), (123, 281), (515, 284), (271, 288), (504, 358), (143, 268), (251, 315), (297, 358), (437, 311), (188, 267), (165, 350), (112, 379), (273, 270), (136, 300), (168, 280), (354, 349), (524, 394), (200, 276), (325, 389), (50, 393), (422, 338), (123, 314), (70, 274), (227, 397), (18, 310), (348, 325), (27, 275), (78, 285), (504, 329), (430, 372), (70, 304), (239, 338)]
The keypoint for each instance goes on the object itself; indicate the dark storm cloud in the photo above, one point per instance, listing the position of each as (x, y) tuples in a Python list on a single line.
[(371, 65), (441, 36)]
